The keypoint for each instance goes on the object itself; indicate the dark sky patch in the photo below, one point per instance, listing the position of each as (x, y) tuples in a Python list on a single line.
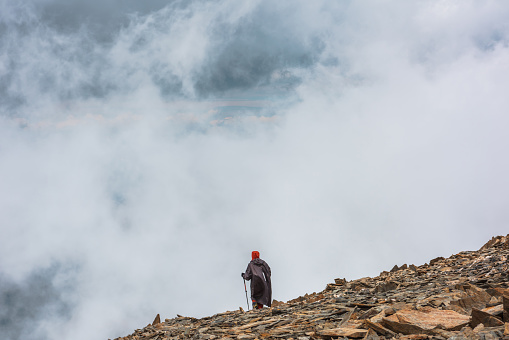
[(24, 304)]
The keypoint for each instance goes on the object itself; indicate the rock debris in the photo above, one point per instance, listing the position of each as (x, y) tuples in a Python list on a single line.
[(463, 297)]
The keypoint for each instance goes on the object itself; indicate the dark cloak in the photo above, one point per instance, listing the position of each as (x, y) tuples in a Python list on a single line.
[(258, 271)]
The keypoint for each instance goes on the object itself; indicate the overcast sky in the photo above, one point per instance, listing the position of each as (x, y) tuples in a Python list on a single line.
[(147, 147)]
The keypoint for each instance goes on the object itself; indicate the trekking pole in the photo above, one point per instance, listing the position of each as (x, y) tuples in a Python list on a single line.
[(247, 301)]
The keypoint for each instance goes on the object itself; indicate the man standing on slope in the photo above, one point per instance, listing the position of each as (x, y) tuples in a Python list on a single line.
[(261, 288)]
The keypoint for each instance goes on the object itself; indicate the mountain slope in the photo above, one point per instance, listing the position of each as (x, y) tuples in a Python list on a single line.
[(465, 296)]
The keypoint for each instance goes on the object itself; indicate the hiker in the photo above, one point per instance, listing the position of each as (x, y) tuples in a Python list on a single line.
[(258, 271)]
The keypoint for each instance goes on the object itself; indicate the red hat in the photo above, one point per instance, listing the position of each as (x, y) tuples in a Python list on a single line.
[(255, 255)]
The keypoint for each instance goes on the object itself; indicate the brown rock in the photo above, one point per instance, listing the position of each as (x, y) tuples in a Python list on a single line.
[(505, 301), (497, 291), (496, 241), (347, 316), (469, 302), (436, 260), (506, 328), (378, 318), (340, 281), (481, 293), (458, 309), (156, 320), (425, 321), (343, 331), (497, 310), (488, 320), (479, 328), (385, 287), (368, 314), (396, 307), (371, 335), (494, 301), (378, 328), (276, 303), (414, 337), (467, 334), (246, 336), (473, 297), (443, 334), (330, 286)]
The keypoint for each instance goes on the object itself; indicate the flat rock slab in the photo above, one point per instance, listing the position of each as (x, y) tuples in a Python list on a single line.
[(378, 328), (488, 320), (414, 337), (425, 321), (495, 310), (343, 331)]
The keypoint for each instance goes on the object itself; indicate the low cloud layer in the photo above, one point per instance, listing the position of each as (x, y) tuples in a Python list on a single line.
[(42, 293), (147, 149)]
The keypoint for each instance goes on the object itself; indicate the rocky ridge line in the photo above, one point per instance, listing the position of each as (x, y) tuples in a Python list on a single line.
[(465, 296)]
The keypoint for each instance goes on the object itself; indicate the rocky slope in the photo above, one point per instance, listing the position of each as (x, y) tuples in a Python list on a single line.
[(465, 296)]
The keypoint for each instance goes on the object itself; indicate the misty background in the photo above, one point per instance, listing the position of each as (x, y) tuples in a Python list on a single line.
[(146, 148)]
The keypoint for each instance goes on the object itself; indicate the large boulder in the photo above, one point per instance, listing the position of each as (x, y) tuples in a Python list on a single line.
[(488, 320), (425, 321)]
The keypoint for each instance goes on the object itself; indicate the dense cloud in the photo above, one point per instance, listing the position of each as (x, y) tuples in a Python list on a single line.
[(28, 306), (79, 50), (154, 145)]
